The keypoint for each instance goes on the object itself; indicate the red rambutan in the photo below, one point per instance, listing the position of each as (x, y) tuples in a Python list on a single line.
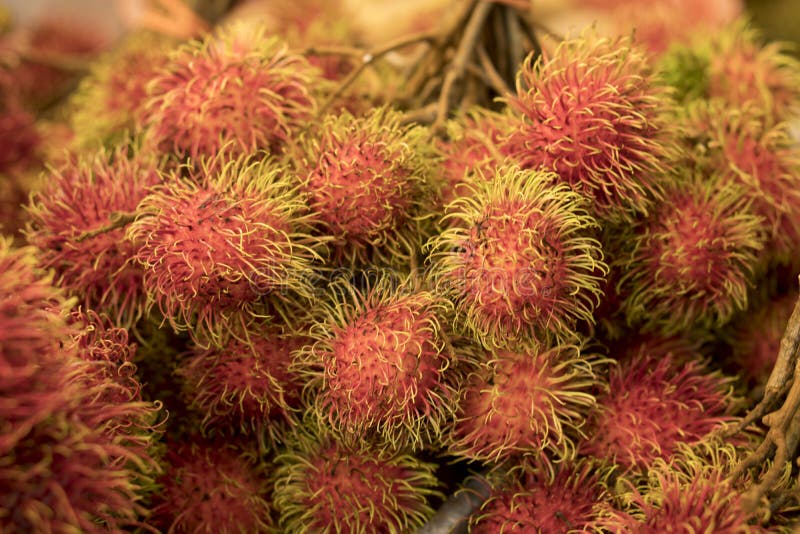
[(367, 180), (320, 486), (212, 488), (226, 249), (661, 394), (591, 113), (381, 366), (81, 196), (245, 384), (690, 262), (32, 324), (765, 161), (522, 404), (110, 98), (744, 71), (692, 493), (236, 90), (544, 502), (473, 143), (519, 259)]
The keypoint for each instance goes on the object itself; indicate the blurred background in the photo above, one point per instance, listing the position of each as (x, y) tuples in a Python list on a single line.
[(779, 19)]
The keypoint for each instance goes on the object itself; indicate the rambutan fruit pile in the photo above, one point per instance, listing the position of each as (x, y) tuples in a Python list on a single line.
[(261, 273)]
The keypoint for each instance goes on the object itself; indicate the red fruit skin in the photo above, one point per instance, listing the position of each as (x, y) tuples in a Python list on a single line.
[(222, 253), (67, 463), (321, 486), (690, 263), (81, 196), (540, 501), (380, 370), (525, 404), (211, 488), (661, 394), (591, 114), (246, 386), (237, 91)]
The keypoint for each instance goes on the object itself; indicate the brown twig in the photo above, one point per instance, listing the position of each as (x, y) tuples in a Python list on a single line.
[(118, 220), (492, 76), (370, 57), (459, 64)]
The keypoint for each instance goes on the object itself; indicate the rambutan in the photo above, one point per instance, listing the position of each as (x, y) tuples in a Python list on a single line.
[(543, 501), (522, 404), (367, 180), (82, 196), (381, 368), (321, 486), (18, 133), (245, 385), (32, 324), (210, 487), (660, 394), (64, 463), (473, 143), (744, 71), (109, 99), (519, 259), (225, 248), (690, 262), (693, 492), (591, 113), (236, 90), (765, 162)]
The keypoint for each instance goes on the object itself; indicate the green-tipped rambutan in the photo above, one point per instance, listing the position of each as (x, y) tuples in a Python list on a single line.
[(591, 113), (323, 487), (692, 493), (111, 97), (210, 487), (82, 196), (519, 259), (690, 262), (236, 89), (660, 394), (744, 71), (226, 248), (525, 404), (543, 501), (381, 368), (245, 385), (765, 162), (367, 180)]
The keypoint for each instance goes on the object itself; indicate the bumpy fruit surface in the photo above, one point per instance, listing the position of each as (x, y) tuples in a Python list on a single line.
[(236, 90), (320, 486), (660, 394), (591, 114), (690, 263), (367, 179), (381, 369), (220, 251), (519, 259), (81, 196), (526, 403)]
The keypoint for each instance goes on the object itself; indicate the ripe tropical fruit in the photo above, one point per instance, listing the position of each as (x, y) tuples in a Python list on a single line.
[(237, 90), (225, 248), (381, 368), (368, 183), (323, 486), (519, 259), (591, 113)]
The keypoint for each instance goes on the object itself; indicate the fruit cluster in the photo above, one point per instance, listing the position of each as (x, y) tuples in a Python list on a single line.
[(255, 293)]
